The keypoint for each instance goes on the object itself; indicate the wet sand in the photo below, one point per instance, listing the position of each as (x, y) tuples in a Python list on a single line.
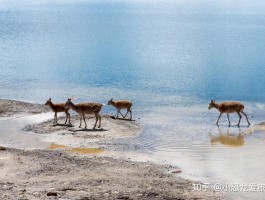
[(61, 172), (73, 136)]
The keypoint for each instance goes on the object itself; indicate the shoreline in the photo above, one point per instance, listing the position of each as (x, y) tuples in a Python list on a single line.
[(10, 108), (61, 173)]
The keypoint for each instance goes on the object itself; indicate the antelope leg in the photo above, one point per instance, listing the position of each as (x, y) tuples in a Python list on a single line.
[(131, 114), (96, 121), (246, 116), (99, 121), (66, 117), (84, 120), (239, 118), (80, 117), (117, 113), (219, 118), (228, 118), (121, 113), (54, 118), (69, 118)]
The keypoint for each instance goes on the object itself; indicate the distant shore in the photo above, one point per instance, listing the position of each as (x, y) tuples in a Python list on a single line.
[(9, 108), (58, 173)]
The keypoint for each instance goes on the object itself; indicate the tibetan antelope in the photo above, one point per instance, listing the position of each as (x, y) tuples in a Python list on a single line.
[(59, 108), (121, 104), (86, 108), (229, 107)]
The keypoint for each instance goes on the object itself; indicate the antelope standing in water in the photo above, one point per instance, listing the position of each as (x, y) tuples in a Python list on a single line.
[(229, 107), (86, 108), (121, 104), (59, 108)]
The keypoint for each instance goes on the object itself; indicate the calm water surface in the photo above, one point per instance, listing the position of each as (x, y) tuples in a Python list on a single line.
[(169, 58)]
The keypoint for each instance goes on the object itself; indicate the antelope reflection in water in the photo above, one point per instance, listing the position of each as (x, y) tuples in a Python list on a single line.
[(228, 139)]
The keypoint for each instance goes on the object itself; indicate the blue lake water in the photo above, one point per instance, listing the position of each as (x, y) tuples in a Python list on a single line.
[(170, 58)]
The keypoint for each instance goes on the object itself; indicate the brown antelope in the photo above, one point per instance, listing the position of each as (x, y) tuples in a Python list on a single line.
[(59, 108), (86, 108), (229, 107), (121, 104)]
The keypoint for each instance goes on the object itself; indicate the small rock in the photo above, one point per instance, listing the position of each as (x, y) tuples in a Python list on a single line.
[(52, 194), (2, 148), (177, 171)]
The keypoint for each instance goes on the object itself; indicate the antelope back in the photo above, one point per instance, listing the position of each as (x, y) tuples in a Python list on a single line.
[(88, 108)]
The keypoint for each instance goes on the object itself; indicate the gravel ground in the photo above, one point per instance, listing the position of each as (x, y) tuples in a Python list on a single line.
[(49, 174)]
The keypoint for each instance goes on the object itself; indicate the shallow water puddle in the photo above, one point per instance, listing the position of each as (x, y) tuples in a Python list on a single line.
[(86, 150), (57, 146), (80, 150), (12, 134)]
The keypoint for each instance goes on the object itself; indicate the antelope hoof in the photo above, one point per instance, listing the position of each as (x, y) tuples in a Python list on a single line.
[(94, 127), (80, 126)]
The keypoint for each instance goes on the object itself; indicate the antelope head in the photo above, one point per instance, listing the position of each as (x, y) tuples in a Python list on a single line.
[(110, 102), (48, 102), (69, 103), (211, 104)]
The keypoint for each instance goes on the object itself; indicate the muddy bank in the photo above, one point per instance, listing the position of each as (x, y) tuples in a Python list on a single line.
[(110, 128), (48, 174), (10, 108)]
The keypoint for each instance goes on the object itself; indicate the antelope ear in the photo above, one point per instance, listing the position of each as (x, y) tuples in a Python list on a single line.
[(211, 100), (50, 99), (111, 99), (214, 101)]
